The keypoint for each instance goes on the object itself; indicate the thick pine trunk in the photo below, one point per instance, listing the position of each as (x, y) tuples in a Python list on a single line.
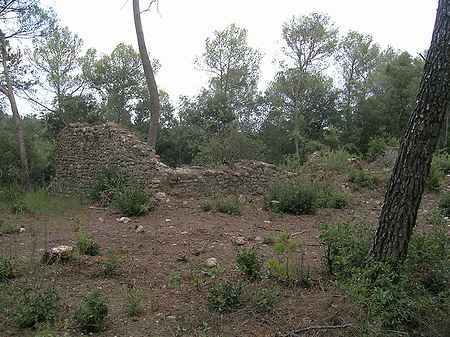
[(155, 106), (404, 193), (20, 140)]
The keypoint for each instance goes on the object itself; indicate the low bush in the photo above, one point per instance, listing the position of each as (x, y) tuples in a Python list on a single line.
[(91, 314), (337, 161), (411, 297), (362, 179), (435, 177), (6, 269), (133, 200), (442, 161), (36, 307), (303, 197), (110, 264), (376, 148), (87, 245), (107, 183), (264, 299), (444, 204), (224, 296), (249, 264), (223, 204)]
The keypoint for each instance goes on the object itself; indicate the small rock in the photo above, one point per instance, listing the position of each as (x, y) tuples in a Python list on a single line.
[(58, 253), (101, 219), (185, 203), (259, 239), (140, 229), (160, 196), (123, 219), (168, 220), (211, 262), (240, 241), (21, 230)]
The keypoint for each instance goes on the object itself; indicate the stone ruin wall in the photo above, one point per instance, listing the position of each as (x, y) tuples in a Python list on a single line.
[(84, 150)]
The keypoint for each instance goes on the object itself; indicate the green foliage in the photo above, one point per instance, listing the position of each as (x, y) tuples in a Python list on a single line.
[(376, 148), (264, 299), (133, 200), (362, 179), (444, 203), (87, 245), (107, 183), (442, 161), (303, 197), (6, 269), (34, 308), (45, 333), (335, 161), (435, 177), (92, 312), (249, 264), (224, 204), (175, 279), (110, 264), (411, 297), (224, 296), (8, 228), (41, 201), (135, 306)]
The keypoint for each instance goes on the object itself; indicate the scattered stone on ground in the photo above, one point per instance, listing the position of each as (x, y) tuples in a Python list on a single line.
[(123, 219), (140, 229), (21, 229), (59, 253), (239, 241), (160, 196), (211, 262)]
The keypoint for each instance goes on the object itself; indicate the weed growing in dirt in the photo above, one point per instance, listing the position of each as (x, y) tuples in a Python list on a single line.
[(442, 160), (36, 307), (6, 269), (249, 264), (437, 217), (224, 296), (87, 245), (42, 202), (335, 160), (435, 177), (135, 305), (264, 299), (303, 197), (107, 183), (110, 264), (362, 179), (411, 297), (133, 201), (286, 267), (8, 228), (223, 204), (92, 312), (175, 279)]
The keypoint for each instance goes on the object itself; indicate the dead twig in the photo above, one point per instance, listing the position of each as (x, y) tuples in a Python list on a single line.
[(296, 333)]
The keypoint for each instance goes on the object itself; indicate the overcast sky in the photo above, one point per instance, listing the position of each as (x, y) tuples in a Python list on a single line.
[(176, 35)]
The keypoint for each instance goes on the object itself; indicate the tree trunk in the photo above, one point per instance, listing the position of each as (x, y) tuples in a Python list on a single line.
[(155, 106), (404, 194), (9, 92)]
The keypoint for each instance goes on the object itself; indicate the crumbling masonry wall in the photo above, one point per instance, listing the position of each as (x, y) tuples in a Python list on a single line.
[(84, 150)]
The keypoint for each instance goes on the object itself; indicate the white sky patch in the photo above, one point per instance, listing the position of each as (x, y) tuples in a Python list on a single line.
[(176, 35)]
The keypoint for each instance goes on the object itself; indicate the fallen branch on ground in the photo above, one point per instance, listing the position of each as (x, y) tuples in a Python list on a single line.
[(296, 333)]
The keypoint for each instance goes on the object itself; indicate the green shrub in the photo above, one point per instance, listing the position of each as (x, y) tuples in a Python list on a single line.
[(87, 245), (224, 296), (264, 299), (34, 308), (377, 147), (411, 297), (435, 177), (8, 228), (92, 312), (335, 160), (363, 179), (134, 302), (110, 264), (303, 197), (223, 204), (6, 269), (444, 203), (133, 201), (249, 264), (442, 161), (107, 183), (437, 216)]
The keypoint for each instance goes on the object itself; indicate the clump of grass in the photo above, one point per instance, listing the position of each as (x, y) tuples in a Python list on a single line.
[(337, 161), (110, 264), (42, 202), (223, 204), (87, 245), (107, 183), (175, 280), (264, 299), (303, 197), (249, 264), (224, 296), (91, 314), (132, 200), (35, 307), (8, 228), (6, 269), (135, 306), (435, 177), (362, 179), (444, 204)]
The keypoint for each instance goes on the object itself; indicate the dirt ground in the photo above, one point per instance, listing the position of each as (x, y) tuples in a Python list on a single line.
[(178, 238)]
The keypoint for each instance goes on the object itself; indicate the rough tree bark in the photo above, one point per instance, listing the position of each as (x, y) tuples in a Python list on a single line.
[(155, 106), (8, 91), (404, 193)]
